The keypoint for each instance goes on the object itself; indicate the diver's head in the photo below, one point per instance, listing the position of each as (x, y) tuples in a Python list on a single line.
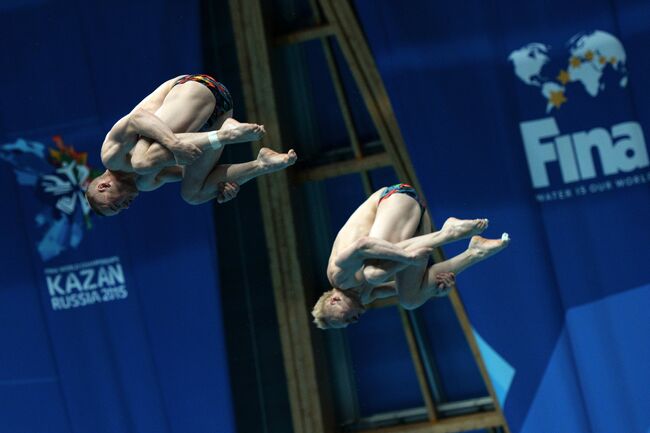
[(337, 309), (111, 192)]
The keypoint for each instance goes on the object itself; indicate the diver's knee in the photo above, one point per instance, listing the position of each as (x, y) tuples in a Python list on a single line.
[(374, 275), (191, 196), (140, 164), (409, 305), (409, 302)]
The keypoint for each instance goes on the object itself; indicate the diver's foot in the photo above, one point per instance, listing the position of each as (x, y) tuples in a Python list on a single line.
[(481, 248), (233, 131), (271, 161), (461, 229)]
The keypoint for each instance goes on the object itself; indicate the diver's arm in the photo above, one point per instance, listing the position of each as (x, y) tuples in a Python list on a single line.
[(373, 248), (343, 269), (116, 147), (137, 126), (145, 124)]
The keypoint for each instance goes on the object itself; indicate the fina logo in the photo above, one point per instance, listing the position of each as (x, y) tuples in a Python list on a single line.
[(621, 147)]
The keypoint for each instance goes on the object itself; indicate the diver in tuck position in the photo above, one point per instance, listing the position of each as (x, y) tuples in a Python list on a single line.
[(177, 133), (384, 250)]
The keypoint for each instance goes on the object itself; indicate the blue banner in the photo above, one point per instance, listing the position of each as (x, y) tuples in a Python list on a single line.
[(109, 324), (535, 115)]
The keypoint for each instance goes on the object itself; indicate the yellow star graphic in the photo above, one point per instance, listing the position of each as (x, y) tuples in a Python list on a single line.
[(613, 60), (574, 61), (563, 77), (557, 98), (602, 60), (589, 55)]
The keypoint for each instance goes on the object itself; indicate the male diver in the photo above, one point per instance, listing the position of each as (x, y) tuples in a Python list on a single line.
[(384, 250), (177, 133)]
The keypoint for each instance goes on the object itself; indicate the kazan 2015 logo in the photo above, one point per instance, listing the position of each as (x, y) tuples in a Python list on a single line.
[(57, 178), (621, 148)]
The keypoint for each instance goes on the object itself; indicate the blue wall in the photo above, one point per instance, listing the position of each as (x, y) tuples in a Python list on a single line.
[(106, 325)]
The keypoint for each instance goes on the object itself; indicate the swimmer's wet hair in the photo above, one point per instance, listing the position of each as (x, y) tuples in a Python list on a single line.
[(320, 318)]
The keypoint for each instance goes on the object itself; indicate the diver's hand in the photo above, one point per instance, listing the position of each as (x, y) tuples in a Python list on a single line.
[(185, 154), (227, 191), (445, 281)]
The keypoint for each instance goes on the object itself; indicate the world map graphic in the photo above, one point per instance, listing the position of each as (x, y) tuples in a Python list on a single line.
[(589, 57)]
